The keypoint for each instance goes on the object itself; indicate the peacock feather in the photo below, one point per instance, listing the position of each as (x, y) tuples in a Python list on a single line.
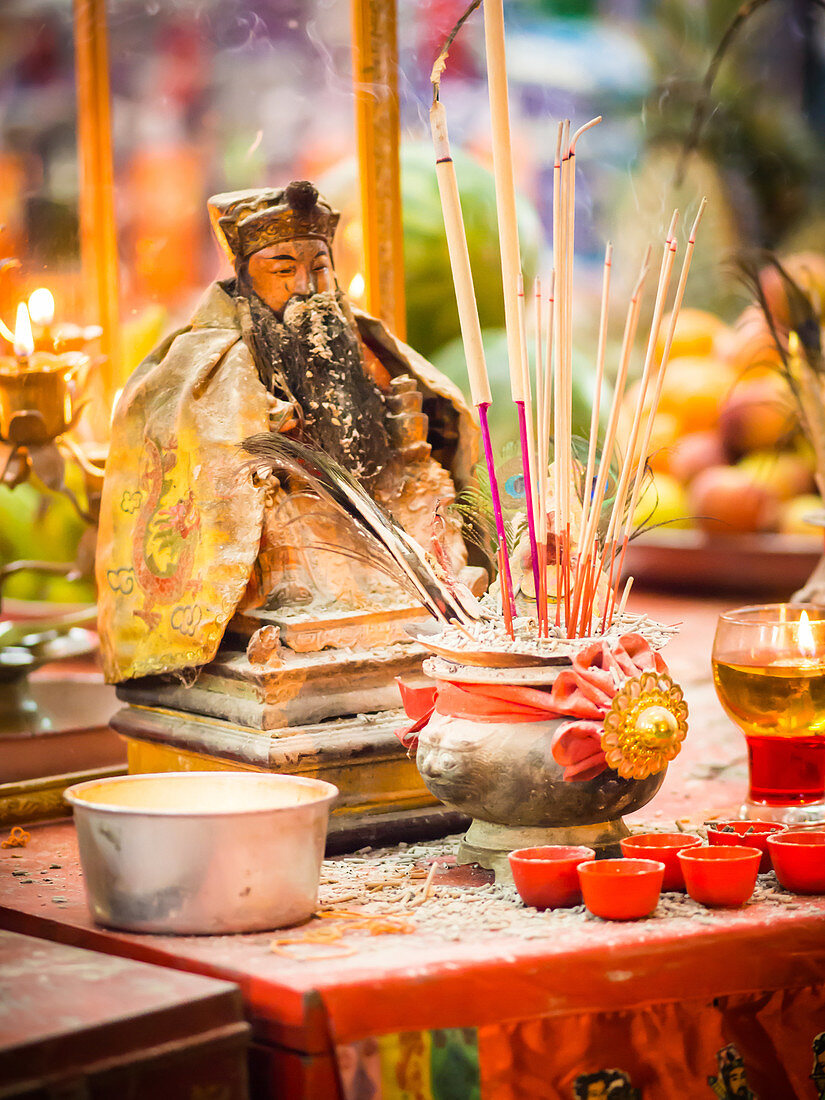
[(395, 550)]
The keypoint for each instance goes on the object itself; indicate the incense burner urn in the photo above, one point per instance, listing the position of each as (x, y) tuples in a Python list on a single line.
[(504, 775)]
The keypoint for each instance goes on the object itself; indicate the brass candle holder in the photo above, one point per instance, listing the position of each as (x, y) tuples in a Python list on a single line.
[(40, 396)]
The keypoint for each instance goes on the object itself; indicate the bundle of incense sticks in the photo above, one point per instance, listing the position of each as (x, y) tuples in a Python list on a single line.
[(586, 570)]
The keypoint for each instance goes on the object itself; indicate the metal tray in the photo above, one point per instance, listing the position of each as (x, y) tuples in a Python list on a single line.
[(695, 561)]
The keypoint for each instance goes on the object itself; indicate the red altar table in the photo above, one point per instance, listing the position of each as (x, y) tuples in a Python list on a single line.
[(468, 994)]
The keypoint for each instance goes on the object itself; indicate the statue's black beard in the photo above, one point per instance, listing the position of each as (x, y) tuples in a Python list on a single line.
[(314, 355)]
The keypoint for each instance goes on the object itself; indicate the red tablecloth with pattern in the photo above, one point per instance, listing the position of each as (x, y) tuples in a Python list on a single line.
[(727, 1004)]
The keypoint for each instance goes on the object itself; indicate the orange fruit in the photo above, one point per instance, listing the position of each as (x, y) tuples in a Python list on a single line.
[(666, 430), (694, 390), (696, 334)]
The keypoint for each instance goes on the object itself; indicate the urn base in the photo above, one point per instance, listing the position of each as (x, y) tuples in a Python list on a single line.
[(489, 844)]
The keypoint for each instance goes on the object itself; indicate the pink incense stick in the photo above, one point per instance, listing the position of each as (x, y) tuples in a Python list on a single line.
[(528, 494), (506, 580)]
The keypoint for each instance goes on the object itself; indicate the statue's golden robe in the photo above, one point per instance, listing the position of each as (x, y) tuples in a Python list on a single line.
[(180, 516)]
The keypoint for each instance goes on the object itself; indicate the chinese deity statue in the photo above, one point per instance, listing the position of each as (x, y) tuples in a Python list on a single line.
[(189, 535)]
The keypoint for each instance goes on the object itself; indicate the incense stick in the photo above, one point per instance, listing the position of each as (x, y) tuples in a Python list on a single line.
[(527, 440), (558, 238), (545, 412), (560, 435), (504, 186), (625, 594), (541, 469), (587, 550), (470, 327), (657, 393), (587, 484), (508, 241), (620, 500), (570, 261)]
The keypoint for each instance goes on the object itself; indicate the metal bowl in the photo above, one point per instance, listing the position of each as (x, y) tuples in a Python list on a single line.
[(201, 852)]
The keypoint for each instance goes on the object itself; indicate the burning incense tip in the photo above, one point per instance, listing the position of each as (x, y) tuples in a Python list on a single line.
[(699, 214), (581, 130)]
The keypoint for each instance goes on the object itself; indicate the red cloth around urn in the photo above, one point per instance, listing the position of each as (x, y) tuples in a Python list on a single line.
[(582, 693)]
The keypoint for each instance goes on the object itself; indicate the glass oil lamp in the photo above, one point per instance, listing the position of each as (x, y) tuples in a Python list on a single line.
[(769, 673)]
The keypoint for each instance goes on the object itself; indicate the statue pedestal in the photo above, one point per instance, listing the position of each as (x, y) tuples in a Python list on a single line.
[(303, 689), (330, 715)]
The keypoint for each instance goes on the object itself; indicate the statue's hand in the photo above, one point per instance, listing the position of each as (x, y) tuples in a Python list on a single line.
[(282, 414)]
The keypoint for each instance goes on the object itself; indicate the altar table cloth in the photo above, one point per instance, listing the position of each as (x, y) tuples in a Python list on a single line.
[(491, 1016), (627, 1011)]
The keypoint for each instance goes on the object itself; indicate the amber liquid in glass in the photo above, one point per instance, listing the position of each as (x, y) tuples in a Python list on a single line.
[(781, 710)]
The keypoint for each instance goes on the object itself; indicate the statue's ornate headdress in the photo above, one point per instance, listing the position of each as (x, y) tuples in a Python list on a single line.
[(247, 221), (729, 1058)]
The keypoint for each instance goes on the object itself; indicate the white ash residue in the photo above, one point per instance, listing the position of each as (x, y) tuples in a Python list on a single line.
[(491, 636), (392, 882), (314, 315)]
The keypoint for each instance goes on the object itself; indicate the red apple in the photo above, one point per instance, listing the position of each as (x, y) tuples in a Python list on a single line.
[(726, 499)]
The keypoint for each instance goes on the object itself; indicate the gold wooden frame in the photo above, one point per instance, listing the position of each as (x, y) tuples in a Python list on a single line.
[(98, 233), (375, 84)]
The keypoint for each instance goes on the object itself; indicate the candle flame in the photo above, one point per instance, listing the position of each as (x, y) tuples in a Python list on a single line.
[(41, 306), (115, 399), (23, 339), (805, 636), (357, 286)]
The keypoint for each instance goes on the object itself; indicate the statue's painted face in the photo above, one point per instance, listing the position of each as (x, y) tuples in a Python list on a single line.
[(597, 1091), (737, 1082), (290, 269)]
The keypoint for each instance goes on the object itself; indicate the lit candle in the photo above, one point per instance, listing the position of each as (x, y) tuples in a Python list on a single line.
[(38, 389), (23, 339), (41, 311)]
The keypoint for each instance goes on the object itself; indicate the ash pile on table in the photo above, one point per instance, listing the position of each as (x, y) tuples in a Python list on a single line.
[(397, 882)]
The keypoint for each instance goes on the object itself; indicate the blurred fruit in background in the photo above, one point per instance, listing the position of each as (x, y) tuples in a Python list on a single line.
[(41, 526), (696, 334), (729, 499), (663, 502), (728, 454)]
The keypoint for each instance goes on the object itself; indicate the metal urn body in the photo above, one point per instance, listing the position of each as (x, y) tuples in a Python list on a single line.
[(504, 776)]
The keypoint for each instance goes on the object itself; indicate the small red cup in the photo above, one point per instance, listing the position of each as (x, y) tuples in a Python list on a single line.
[(799, 859), (757, 837), (722, 876), (661, 846), (546, 877), (621, 889)]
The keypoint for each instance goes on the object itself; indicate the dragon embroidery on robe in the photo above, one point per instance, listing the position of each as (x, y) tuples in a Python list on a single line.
[(164, 538)]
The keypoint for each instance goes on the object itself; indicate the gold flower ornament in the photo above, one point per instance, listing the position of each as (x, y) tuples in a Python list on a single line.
[(645, 726)]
